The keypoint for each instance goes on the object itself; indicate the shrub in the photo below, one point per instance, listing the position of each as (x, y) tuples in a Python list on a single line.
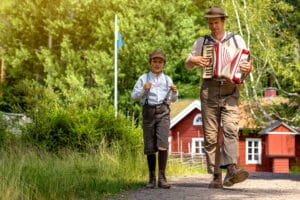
[(51, 129), (119, 128), (81, 129)]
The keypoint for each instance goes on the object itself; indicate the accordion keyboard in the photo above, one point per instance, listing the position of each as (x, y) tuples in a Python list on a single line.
[(208, 51)]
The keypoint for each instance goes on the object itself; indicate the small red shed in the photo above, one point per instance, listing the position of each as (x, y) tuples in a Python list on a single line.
[(280, 145)]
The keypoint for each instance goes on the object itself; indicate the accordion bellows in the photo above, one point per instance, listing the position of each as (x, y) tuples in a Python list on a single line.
[(225, 62)]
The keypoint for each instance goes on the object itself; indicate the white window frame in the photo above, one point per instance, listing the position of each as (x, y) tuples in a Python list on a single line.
[(170, 144), (196, 121), (201, 140), (253, 153)]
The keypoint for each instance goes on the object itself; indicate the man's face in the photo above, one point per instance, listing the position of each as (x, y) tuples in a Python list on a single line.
[(216, 25), (157, 65)]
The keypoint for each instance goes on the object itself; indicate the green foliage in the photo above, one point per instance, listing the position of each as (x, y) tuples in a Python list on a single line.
[(284, 110), (56, 128), (52, 130), (44, 42), (66, 47), (295, 169), (118, 128)]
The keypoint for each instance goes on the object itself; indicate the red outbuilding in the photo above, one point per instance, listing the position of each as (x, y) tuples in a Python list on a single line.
[(274, 148)]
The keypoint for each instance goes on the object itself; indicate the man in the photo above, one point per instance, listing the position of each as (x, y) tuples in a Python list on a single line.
[(156, 91), (219, 104)]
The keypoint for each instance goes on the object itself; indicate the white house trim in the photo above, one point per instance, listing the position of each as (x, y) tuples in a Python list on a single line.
[(194, 140), (283, 133), (195, 104)]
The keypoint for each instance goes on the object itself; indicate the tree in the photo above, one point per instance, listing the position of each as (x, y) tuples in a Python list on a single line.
[(65, 48)]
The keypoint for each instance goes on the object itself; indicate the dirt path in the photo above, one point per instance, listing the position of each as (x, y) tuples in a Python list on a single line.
[(262, 186)]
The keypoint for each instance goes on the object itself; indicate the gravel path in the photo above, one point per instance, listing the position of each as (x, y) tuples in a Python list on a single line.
[(259, 186)]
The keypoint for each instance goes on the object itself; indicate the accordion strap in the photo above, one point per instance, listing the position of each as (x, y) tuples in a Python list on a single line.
[(229, 36)]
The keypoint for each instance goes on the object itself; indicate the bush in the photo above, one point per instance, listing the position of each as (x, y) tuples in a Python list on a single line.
[(81, 129), (51, 129), (119, 128)]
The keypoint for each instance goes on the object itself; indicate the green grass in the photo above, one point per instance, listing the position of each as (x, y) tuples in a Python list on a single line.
[(295, 169), (28, 173)]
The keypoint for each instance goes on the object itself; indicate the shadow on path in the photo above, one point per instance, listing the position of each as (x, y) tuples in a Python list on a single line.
[(259, 186)]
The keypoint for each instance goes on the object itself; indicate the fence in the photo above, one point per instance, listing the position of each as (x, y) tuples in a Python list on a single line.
[(192, 160)]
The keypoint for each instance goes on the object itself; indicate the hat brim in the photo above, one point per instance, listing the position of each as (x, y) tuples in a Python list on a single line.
[(215, 16), (158, 57)]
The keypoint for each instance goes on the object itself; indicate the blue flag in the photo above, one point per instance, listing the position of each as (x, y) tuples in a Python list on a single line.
[(119, 39)]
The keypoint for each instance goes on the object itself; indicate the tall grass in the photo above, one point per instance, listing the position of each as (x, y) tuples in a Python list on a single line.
[(30, 173)]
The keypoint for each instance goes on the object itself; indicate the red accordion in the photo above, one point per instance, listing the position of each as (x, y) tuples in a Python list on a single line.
[(225, 62)]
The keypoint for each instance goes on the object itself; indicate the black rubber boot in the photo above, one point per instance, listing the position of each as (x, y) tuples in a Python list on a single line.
[(151, 166), (152, 180), (162, 163), (162, 181)]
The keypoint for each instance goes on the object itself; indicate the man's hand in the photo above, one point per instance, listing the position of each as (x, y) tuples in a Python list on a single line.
[(246, 66), (201, 61)]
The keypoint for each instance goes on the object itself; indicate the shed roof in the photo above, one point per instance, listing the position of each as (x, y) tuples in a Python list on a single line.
[(269, 129)]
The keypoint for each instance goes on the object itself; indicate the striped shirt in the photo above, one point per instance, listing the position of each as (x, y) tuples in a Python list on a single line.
[(159, 91)]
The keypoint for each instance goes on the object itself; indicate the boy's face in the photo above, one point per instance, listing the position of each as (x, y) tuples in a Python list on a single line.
[(157, 65)]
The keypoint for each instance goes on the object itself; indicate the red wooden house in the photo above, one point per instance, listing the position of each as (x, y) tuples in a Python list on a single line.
[(275, 148)]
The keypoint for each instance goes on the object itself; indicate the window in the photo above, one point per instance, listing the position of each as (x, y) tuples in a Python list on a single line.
[(197, 120), (253, 151), (198, 146)]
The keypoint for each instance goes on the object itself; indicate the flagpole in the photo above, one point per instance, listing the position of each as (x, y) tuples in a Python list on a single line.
[(116, 68)]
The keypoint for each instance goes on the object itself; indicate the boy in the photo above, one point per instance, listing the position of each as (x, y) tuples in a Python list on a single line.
[(156, 91)]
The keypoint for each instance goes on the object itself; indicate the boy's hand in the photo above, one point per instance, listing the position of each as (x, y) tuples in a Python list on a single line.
[(173, 88), (147, 86)]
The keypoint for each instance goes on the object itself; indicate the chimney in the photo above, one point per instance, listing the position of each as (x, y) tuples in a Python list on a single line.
[(270, 92)]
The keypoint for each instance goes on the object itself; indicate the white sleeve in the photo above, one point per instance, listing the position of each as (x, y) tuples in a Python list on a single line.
[(138, 89), (197, 49)]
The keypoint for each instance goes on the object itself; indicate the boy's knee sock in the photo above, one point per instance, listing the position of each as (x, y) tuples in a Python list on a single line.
[(151, 158), (162, 160)]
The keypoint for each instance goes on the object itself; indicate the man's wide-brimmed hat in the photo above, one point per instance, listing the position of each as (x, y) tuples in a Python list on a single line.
[(157, 54), (214, 12)]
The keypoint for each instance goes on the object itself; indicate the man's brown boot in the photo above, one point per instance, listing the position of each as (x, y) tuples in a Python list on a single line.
[(152, 180), (234, 175), (162, 181), (216, 182)]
